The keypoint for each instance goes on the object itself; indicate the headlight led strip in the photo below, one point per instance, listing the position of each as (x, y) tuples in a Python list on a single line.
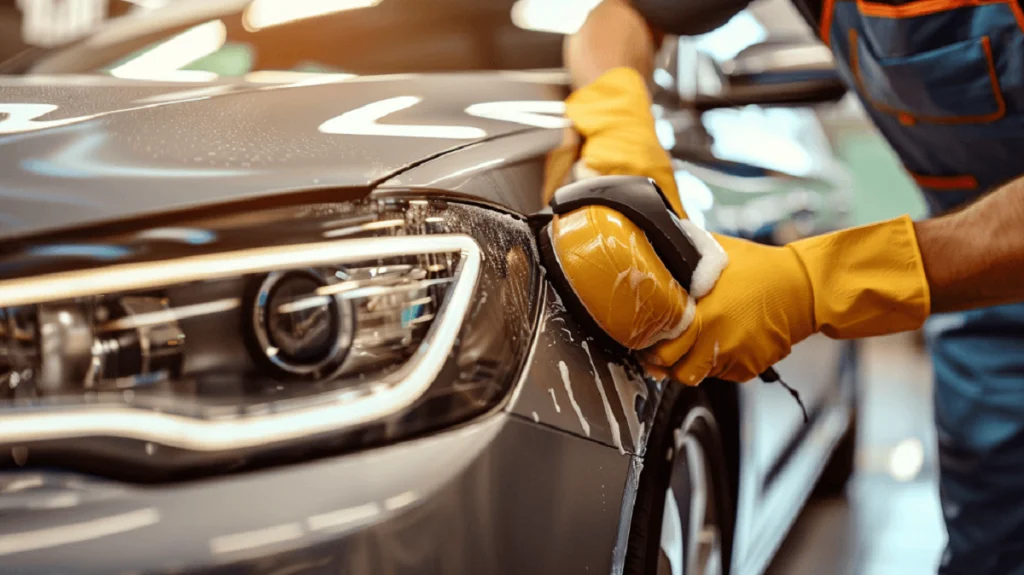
[(331, 414)]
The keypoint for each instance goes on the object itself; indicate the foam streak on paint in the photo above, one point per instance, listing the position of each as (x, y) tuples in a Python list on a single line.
[(554, 400), (564, 370), (613, 423), (628, 389)]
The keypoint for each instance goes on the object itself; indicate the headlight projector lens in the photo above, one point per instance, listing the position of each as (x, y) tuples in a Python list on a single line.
[(299, 332)]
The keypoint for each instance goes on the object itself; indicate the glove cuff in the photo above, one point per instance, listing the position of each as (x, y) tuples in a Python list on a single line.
[(867, 280)]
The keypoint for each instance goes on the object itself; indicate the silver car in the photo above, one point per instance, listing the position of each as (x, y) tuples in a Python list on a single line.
[(273, 306)]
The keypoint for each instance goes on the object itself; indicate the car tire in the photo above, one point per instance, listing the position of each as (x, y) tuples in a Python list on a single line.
[(683, 515), (841, 465)]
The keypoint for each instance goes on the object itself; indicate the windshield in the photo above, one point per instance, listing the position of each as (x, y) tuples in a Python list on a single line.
[(339, 36)]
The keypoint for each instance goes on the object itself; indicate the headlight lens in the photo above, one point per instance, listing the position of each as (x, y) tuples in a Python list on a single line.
[(237, 350)]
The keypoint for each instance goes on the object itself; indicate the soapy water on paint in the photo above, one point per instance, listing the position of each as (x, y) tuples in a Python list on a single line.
[(564, 370), (613, 424), (628, 390), (554, 400)]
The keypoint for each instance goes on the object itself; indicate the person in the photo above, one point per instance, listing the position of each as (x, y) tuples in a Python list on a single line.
[(942, 82)]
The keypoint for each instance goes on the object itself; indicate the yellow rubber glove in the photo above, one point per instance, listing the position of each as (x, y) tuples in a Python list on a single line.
[(852, 283), (606, 258), (619, 278), (613, 114)]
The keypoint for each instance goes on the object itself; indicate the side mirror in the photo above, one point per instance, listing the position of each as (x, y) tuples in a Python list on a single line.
[(776, 73)]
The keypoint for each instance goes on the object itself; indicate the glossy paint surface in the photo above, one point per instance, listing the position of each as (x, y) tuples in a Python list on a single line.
[(503, 495), (80, 151), (573, 385)]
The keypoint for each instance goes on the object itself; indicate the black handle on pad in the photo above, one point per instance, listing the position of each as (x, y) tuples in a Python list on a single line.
[(643, 202)]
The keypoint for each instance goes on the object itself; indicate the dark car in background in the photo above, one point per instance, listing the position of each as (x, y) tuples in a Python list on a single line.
[(270, 303)]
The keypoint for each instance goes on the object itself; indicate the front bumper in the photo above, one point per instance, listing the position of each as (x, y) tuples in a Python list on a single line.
[(500, 495)]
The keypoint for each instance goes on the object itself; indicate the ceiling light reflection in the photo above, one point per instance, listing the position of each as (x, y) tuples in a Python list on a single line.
[(48, 537), (695, 196), (537, 113), (559, 16), (165, 60), (363, 122), (295, 78), (728, 40), (266, 13), (906, 459), (149, 4), (777, 139)]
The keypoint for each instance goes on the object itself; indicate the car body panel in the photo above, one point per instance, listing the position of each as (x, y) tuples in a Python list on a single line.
[(74, 155), (578, 387), (516, 171), (503, 495), (783, 455)]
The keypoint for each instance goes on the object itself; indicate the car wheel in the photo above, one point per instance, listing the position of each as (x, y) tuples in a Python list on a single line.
[(683, 516)]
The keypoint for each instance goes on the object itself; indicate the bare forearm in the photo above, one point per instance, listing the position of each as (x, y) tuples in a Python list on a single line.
[(625, 33), (975, 257), (614, 35)]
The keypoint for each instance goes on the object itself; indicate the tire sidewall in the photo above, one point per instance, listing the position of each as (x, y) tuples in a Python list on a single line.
[(679, 405)]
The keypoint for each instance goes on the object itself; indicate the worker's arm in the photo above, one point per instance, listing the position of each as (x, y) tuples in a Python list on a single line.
[(877, 279), (872, 280), (614, 35), (975, 257), (626, 33), (611, 60)]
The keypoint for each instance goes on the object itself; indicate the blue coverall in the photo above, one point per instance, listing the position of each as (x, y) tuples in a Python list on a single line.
[(943, 80)]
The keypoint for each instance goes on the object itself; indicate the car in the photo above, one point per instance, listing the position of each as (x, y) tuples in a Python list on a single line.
[(270, 303)]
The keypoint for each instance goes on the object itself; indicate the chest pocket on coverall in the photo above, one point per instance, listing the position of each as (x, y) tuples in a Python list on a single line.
[(944, 82)]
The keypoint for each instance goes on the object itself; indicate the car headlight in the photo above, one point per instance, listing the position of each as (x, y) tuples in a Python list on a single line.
[(348, 324)]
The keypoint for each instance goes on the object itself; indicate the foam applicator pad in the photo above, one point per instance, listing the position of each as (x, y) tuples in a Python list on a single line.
[(606, 264)]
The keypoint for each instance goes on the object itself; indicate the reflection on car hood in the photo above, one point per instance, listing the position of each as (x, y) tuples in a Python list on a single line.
[(87, 149)]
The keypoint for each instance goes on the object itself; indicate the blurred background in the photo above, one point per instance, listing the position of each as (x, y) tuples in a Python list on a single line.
[(889, 522)]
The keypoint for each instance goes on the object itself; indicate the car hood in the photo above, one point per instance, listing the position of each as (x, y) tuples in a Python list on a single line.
[(89, 149)]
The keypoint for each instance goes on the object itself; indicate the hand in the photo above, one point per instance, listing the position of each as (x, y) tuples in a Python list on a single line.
[(613, 114), (853, 283), (760, 307), (613, 36), (607, 258)]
